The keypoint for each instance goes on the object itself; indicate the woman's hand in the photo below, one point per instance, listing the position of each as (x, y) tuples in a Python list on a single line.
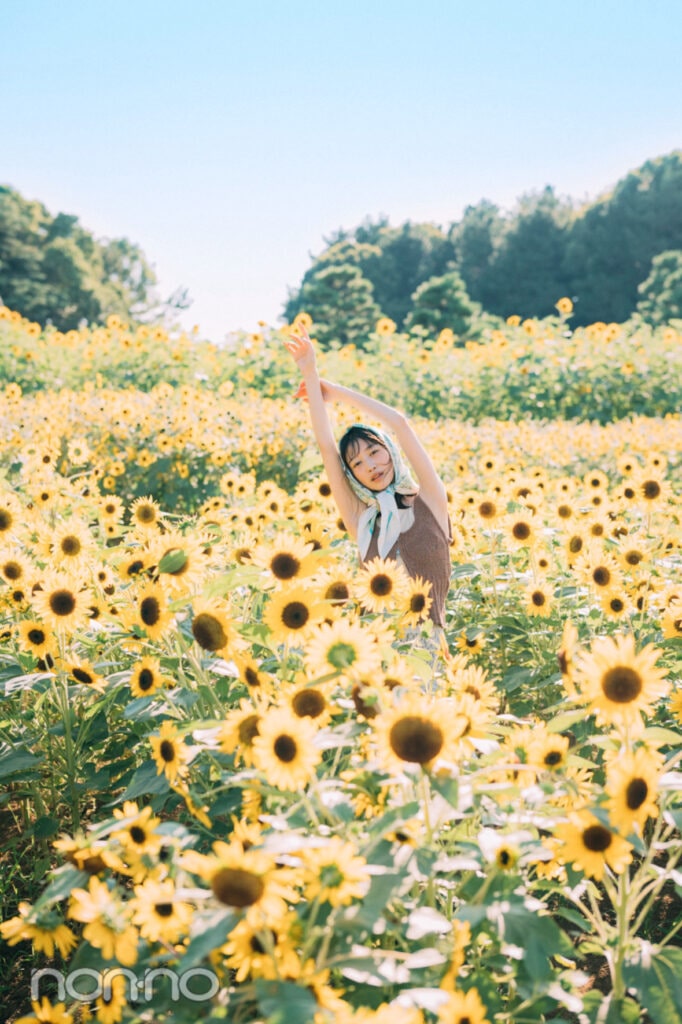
[(301, 348)]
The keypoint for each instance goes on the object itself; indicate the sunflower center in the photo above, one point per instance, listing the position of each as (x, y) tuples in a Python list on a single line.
[(12, 571), (208, 632), (137, 834), (538, 598), (331, 876), (135, 567), (248, 730), (81, 675), (521, 531), (6, 520), (601, 576), (285, 748), (575, 545), (251, 677), (487, 510), (337, 592), (236, 887), (145, 514), (636, 793), (552, 758), (651, 489), (163, 909), (167, 751), (621, 684), (564, 511), (616, 604), (634, 557), (150, 611), (62, 602), (417, 603), (597, 838), (145, 680), (70, 546), (341, 655), (381, 585), (36, 636), (416, 739), (308, 703), (285, 566), (295, 615)]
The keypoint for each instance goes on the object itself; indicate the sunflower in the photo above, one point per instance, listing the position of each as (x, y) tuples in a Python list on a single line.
[(488, 508), (382, 585), (632, 785), (158, 914), (520, 529), (71, 545), (36, 638), (344, 647), (15, 568), (538, 600), (170, 754), (137, 832), (616, 604), (334, 873), (671, 621), (416, 731), (548, 751), (336, 587), (246, 880), (251, 673), (62, 602), (110, 1005), (181, 561), (146, 677), (652, 489), (150, 611), (107, 921), (253, 951), (619, 684), (600, 570), (590, 846), (463, 1008), (45, 1012), (145, 516), (285, 558), (417, 601), (238, 731), (45, 930), (83, 673), (284, 749), (212, 626), (10, 516), (292, 613)]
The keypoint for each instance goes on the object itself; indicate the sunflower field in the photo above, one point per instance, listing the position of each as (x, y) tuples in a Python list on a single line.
[(241, 779)]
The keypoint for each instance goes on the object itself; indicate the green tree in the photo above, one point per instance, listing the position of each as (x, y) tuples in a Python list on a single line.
[(53, 269), (339, 299), (475, 240), (661, 294), (525, 275), (612, 243), (443, 302)]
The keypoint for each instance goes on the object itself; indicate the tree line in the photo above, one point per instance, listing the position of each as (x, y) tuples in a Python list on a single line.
[(617, 255)]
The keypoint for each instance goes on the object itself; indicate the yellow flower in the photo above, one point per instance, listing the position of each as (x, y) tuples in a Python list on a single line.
[(382, 585), (212, 626), (343, 647), (45, 930), (107, 921), (284, 749), (159, 915), (334, 873), (292, 613), (632, 784), (385, 326), (62, 602), (463, 1008), (619, 684), (146, 677), (44, 1012), (170, 753), (565, 306), (590, 846)]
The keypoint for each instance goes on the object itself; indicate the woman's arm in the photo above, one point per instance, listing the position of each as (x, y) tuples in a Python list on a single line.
[(350, 506), (431, 486)]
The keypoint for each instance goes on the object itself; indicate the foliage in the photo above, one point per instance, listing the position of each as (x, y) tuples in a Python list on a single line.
[(51, 268), (597, 253), (376, 875), (661, 294), (339, 298), (442, 303)]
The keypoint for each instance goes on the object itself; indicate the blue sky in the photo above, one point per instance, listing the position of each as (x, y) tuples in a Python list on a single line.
[(228, 139)]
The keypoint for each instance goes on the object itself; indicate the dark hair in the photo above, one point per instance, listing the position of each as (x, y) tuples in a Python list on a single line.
[(348, 447)]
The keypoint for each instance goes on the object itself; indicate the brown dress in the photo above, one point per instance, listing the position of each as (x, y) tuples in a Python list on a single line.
[(425, 551)]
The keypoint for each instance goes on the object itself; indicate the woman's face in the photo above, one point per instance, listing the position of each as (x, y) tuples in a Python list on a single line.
[(371, 464)]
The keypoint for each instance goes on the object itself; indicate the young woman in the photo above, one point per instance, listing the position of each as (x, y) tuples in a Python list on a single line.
[(387, 512)]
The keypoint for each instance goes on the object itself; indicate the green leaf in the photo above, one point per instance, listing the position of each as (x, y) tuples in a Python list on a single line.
[(45, 827), (17, 760), (658, 984), (212, 931), (173, 560), (284, 1002), (146, 780), (460, 572)]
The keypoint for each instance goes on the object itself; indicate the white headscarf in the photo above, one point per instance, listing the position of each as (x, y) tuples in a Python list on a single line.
[(394, 520)]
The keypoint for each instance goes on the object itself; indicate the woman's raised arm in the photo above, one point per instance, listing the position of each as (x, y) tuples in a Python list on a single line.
[(350, 507)]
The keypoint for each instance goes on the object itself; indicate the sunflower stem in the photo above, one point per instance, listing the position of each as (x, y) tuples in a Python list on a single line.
[(618, 962)]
